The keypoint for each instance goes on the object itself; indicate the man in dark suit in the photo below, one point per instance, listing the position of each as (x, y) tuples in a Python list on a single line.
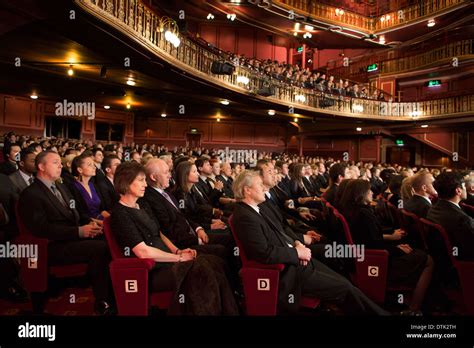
[(470, 191), (337, 173), (285, 181), (211, 194), (226, 179), (24, 176), (376, 183), (447, 213), (106, 186), (303, 275), (98, 156), (9, 166), (420, 203), (46, 210), (322, 176)]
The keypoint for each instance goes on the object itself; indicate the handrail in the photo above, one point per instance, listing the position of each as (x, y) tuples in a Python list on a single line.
[(366, 23), (137, 21), (460, 49)]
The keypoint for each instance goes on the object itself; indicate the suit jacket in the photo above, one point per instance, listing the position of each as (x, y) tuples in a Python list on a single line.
[(107, 193), (8, 198), (285, 185), (212, 195), (19, 183), (330, 194), (263, 244), (227, 190), (7, 167), (194, 207), (44, 216), (469, 200), (172, 221), (458, 225), (418, 206), (322, 180)]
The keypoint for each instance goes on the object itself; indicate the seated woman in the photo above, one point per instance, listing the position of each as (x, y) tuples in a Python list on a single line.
[(87, 199), (200, 278), (407, 266), (301, 189)]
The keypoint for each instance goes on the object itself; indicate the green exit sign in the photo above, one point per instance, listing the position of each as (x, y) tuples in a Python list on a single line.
[(399, 142), (434, 83), (299, 49), (372, 67)]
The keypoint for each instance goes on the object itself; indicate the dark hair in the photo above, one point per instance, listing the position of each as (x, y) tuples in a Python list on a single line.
[(200, 162), (340, 191), (354, 195), (395, 184), (77, 162), (279, 164), (69, 151), (387, 174), (180, 159), (95, 150), (260, 163), (32, 146), (25, 152), (338, 169), (296, 171), (125, 174), (182, 172), (106, 163), (40, 157), (446, 184)]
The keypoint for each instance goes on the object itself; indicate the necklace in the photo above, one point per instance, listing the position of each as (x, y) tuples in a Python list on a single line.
[(136, 206)]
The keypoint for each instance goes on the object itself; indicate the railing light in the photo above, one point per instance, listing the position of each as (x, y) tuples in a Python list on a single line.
[(431, 23), (243, 79), (271, 112), (300, 98), (357, 108)]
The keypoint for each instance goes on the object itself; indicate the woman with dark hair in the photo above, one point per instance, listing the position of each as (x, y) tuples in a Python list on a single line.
[(301, 191), (193, 203), (395, 186), (87, 198), (340, 191), (407, 266), (200, 278)]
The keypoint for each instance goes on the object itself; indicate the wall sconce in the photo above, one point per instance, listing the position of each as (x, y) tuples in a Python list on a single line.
[(171, 30)]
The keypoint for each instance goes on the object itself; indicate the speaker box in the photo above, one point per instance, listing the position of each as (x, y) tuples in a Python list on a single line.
[(266, 91), (222, 68)]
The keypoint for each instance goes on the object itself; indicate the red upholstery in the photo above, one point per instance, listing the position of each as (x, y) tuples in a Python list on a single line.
[(410, 223), (261, 282), (35, 272), (465, 269), (370, 275), (130, 280), (468, 209)]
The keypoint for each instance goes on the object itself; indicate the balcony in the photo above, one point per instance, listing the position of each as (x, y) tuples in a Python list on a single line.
[(134, 19)]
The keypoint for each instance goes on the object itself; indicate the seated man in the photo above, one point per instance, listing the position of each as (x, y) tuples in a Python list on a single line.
[(46, 210), (24, 176), (267, 244), (420, 203), (446, 212)]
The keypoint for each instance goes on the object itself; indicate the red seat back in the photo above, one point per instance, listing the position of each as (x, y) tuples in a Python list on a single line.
[(115, 250), (410, 223)]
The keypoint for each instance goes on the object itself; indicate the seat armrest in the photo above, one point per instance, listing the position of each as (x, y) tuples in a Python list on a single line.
[(124, 263)]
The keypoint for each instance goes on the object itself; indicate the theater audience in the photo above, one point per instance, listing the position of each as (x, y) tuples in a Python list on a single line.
[(200, 278), (407, 266), (420, 203), (9, 166), (337, 173), (106, 186), (46, 212), (268, 244), (446, 212)]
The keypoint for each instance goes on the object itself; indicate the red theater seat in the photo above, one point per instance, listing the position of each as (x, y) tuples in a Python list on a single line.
[(130, 280), (464, 269), (468, 209), (410, 223), (35, 273), (261, 282)]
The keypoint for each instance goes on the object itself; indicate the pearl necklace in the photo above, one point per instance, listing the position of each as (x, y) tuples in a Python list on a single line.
[(128, 205)]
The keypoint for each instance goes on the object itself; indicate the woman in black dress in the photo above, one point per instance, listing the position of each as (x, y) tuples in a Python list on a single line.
[(407, 266), (201, 279)]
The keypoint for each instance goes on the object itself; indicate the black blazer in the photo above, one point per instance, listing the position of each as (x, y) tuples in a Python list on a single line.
[(107, 193), (330, 194), (8, 199), (458, 225), (7, 167), (227, 190), (285, 185), (418, 206), (210, 194), (172, 221), (44, 216), (194, 207)]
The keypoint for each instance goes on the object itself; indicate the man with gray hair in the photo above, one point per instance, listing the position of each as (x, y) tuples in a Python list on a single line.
[(264, 242), (470, 191)]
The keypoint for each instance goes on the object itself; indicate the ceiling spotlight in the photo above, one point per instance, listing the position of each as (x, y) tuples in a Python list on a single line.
[(128, 106), (231, 16), (431, 23), (163, 114), (382, 40), (210, 16), (103, 72), (339, 12), (295, 120), (295, 33), (130, 82), (307, 35), (225, 102), (106, 107), (297, 26), (271, 112), (218, 119), (70, 71), (358, 129), (424, 126), (308, 27), (34, 96)]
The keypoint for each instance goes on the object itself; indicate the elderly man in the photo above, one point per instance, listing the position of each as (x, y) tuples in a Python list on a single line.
[(265, 242)]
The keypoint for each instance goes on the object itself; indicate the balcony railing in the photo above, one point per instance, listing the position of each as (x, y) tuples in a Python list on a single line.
[(370, 24), (137, 21), (357, 70)]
